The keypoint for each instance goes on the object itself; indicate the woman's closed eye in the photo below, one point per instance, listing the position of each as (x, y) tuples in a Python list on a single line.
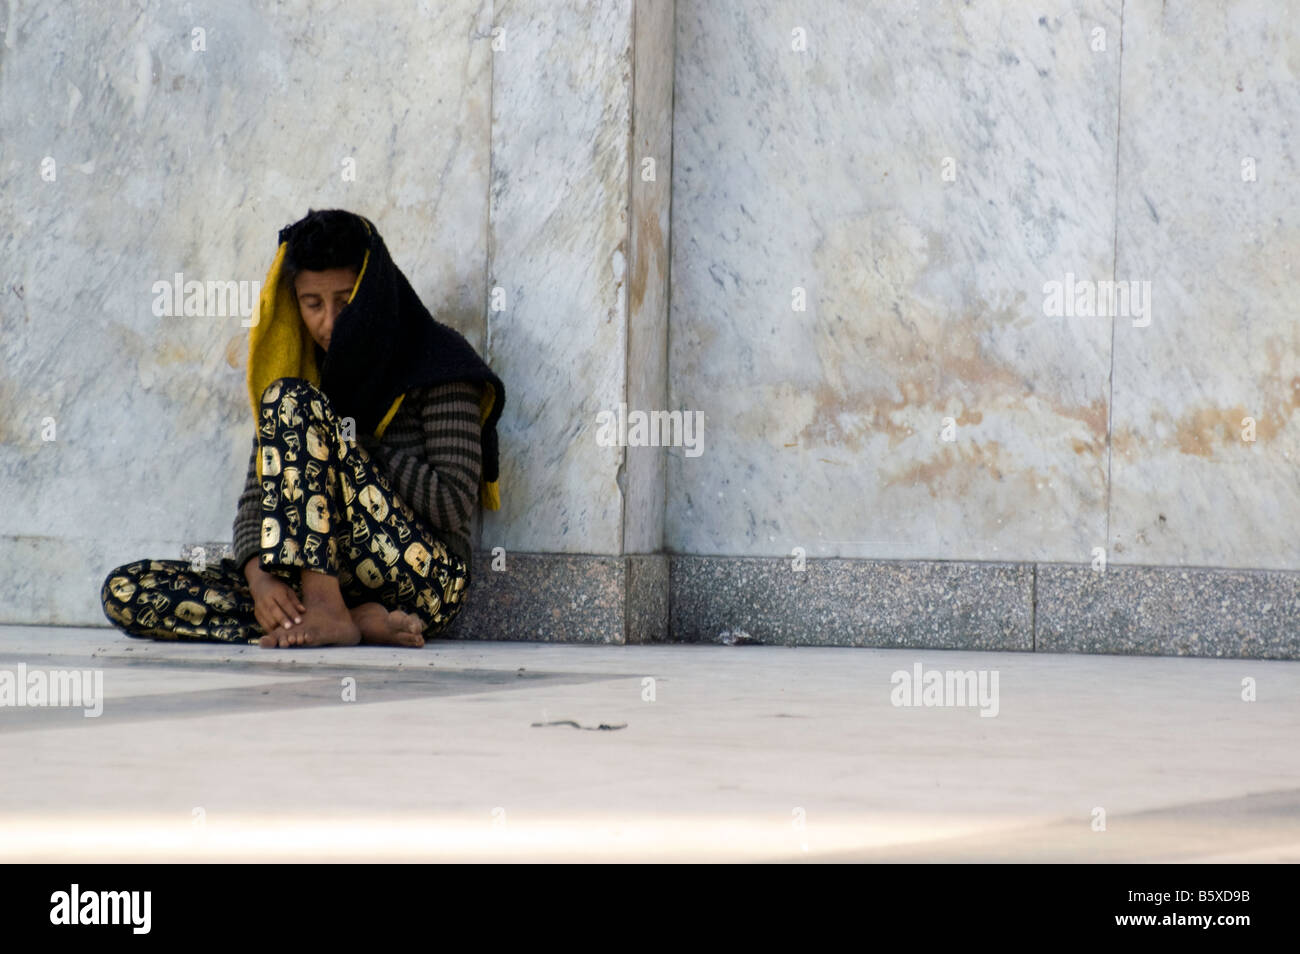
[(315, 303)]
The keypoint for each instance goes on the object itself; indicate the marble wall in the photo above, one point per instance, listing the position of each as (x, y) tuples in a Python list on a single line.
[(1209, 212), (865, 203), (492, 143), (134, 148), (578, 252), (561, 111), (869, 201)]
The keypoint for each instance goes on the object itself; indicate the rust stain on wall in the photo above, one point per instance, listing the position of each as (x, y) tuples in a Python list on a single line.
[(1092, 415), (1197, 430), (894, 362), (648, 244), (176, 352), (15, 426), (1204, 430), (931, 384), (956, 463)]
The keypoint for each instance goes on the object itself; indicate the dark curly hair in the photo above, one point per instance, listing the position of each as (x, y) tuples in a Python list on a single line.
[(323, 239)]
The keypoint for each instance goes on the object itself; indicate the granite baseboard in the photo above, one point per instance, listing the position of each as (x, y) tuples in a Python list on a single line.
[(650, 598), (566, 598), (1169, 611), (1128, 610), (854, 602)]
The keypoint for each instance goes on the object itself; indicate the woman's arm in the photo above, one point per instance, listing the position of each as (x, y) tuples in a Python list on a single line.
[(441, 483), (248, 520)]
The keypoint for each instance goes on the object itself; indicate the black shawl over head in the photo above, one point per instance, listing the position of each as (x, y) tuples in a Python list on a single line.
[(385, 342)]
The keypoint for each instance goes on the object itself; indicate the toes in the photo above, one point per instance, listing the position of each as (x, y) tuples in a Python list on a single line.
[(407, 622)]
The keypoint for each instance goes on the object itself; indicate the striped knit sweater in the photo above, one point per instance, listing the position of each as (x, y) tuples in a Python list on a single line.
[(430, 453)]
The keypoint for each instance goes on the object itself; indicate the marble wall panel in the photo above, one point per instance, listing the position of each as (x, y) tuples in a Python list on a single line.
[(558, 260), (836, 297), (1209, 215), (175, 151)]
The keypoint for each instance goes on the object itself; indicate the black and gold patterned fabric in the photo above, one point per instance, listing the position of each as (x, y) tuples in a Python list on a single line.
[(325, 506)]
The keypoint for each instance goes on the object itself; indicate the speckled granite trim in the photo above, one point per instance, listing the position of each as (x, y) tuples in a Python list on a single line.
[(562, 598), (1128, 610), (1169, 611), (854, 602), (648, 608)]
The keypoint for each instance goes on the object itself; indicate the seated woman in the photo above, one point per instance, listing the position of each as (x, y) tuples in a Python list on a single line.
[(375, 434)]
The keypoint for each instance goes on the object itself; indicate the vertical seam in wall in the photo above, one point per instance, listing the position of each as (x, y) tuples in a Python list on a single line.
[(668, 597), (668, 303), (628, 268), (1033, 608), (487, 232), (1114, 276)]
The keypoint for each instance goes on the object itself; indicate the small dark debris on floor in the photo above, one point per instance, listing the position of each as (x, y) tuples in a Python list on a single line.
[(735, 637), (592, 728)]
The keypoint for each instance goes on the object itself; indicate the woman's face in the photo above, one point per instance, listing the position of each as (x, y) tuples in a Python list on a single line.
[(321, 296)]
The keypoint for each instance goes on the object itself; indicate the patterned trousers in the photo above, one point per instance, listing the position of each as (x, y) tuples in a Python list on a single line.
[(327, 506)]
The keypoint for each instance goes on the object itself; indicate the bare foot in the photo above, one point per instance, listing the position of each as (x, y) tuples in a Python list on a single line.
[(318, 628), (321, 626), (326, 621), (383, 627)]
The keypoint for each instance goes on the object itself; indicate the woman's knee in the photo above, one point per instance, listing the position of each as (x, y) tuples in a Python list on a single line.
[(297, 395), (302, 414), (277, 389), (115, 595), (121, 583)]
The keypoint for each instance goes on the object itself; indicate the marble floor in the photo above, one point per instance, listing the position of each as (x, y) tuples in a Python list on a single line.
[(466, 751)]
